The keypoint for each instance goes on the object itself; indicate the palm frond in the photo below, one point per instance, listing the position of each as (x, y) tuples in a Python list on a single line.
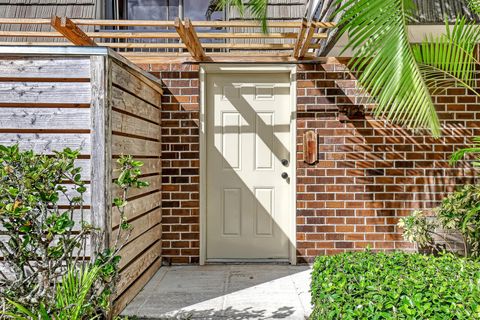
[(257, 9), (72, 292), (378, 37), (22, 313), (460, 154), (448, 60), (238, 4), (474, 5)]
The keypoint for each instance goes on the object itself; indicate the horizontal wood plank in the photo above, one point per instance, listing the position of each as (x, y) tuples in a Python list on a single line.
[(129, 103), (45, 92), (134, 146), (84, 165), (54, 68), (46, 143), (138, 207), (120, 303), (131, 83), (140, 244), (44, 118), (133, 126), (142, 224), (131, 273)]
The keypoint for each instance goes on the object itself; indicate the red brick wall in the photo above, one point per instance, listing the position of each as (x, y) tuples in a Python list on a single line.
[(368, 175), (180, 162)]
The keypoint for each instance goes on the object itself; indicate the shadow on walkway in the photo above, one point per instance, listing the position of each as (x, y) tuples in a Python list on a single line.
[(225, 292)]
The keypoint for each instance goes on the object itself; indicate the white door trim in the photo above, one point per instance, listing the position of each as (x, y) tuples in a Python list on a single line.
[(206, 69)]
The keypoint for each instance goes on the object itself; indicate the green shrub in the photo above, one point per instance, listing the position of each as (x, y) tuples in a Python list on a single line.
[(459, 213), (44, 271), (366, 285)]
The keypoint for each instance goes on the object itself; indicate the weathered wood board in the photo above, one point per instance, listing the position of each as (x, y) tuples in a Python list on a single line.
[(135, 102), (46, 68), (45, 92)]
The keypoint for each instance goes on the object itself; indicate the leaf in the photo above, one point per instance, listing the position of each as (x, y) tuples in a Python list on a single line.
[(120, 203), (257, 8), (378, 37), (72, 293), (448, 60), (474, 5), (22, 309)]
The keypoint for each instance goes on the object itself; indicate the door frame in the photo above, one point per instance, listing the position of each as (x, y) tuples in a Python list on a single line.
[(206, 69)]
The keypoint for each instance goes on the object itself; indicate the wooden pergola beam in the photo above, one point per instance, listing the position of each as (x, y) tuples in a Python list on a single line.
[(156, 23), (197, 46), (157, 35), (131, 45), (71, 31), (189, 39), (307, 44), (185, 33), (300, 39)]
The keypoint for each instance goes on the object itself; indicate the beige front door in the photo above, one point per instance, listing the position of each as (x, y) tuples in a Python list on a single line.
[(248, 194)]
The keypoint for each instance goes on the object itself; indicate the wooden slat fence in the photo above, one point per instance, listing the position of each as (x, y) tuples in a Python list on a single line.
[(106, 107)]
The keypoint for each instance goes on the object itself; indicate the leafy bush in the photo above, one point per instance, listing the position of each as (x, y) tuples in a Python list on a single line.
[(41, 196), (458, 213), (366, 285), (418, 228)]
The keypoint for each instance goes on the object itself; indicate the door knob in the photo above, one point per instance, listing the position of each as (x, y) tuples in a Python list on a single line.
[(285, 162), (284, 175)]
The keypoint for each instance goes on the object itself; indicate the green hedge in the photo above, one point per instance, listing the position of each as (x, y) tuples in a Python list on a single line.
[(366, 285)]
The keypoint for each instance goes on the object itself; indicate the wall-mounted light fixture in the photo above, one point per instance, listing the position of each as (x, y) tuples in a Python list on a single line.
[(310, 147)]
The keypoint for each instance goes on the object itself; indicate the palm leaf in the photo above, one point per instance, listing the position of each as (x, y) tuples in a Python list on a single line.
[(448, 60), (238, 4), (21, 312), (73, 291), (257, 9), (378, 37), (460, 154), (474, 5)]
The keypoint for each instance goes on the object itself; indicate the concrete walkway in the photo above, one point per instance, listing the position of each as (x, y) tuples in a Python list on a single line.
[(225, 292)]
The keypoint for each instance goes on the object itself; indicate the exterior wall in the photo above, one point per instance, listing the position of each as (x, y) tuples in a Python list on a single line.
[(86, 9), (369, 173), (180, 162)]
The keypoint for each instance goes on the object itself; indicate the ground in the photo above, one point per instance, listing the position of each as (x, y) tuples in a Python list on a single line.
[(225, 292)]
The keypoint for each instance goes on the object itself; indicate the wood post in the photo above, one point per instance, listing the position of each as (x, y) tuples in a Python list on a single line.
[(71, 31)]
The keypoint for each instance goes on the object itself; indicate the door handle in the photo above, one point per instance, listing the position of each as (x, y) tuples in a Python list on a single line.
[(285, 162), (284, 175)]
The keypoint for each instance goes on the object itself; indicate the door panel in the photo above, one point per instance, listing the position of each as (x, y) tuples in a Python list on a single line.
[(248, 135)]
